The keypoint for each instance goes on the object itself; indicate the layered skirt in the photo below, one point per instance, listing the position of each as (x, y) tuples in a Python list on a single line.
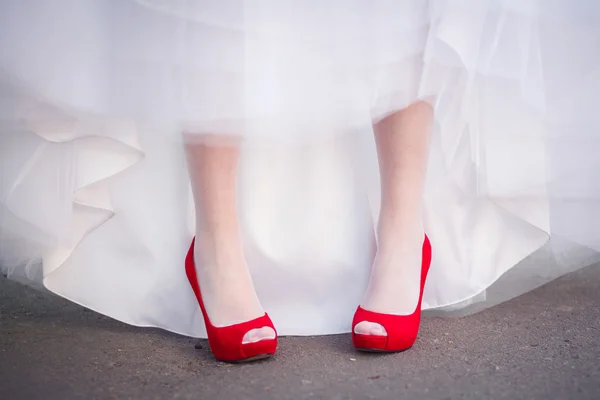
[(98, 97)]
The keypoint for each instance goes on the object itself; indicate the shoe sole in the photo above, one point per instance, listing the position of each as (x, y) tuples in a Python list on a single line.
[(370, 350), (251, 359), (367, 350)]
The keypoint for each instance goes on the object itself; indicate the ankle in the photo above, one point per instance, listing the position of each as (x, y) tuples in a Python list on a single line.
[(214, 249), (399, 235), (399, 219)]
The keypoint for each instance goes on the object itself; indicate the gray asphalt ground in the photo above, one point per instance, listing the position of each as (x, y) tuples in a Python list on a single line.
[(542, 345)]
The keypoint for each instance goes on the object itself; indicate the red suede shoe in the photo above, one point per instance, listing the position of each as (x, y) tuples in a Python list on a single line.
[(401, 330), (226, 342)]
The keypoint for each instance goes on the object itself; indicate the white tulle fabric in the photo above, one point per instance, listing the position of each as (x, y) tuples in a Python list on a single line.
[(95, 96)]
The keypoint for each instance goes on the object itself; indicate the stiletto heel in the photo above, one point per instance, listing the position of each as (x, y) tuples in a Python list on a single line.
[(402, 330), (226, 342)]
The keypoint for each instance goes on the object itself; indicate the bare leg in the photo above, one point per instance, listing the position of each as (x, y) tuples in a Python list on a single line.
[(225, 282), (402, 147)]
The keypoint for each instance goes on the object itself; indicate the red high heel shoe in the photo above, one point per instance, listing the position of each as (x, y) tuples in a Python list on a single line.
[(401, 330), (226, 342)]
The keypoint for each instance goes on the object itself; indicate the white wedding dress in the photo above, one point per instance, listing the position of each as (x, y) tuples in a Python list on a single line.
[(95, 95)]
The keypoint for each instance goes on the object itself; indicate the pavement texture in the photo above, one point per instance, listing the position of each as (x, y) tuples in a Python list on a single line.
[(542, 345)]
